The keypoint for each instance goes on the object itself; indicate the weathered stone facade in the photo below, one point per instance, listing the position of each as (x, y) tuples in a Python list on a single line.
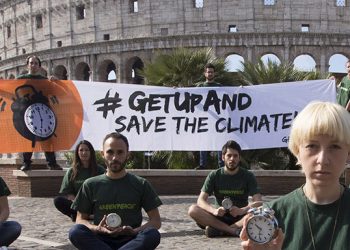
[(86, 39)]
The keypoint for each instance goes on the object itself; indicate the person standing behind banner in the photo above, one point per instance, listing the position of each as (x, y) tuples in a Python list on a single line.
[(34, 72), (209, 74), (84, 166), (116, 200), (344, 89), (315, 215), (9, 230)]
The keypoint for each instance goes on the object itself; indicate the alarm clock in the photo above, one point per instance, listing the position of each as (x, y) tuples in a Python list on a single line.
[(262, 225), (227, 204), (113, 220), (32, 116)]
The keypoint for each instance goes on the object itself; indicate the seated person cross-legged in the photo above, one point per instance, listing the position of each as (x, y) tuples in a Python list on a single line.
[(231, 186), (84, 166)]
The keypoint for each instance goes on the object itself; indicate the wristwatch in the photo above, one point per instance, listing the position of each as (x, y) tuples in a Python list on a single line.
[(261, 226), (113, 220)]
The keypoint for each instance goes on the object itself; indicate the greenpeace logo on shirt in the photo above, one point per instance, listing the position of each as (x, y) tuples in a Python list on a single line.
[(121, 206), (231, 192)]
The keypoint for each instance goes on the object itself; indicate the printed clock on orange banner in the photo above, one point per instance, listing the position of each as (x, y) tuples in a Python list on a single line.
[(39, 115)]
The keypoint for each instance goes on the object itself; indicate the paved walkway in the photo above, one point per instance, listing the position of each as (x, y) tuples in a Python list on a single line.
[(43, 227)]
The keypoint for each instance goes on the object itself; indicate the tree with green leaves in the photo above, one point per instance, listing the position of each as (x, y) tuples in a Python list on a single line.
[(184, 68)]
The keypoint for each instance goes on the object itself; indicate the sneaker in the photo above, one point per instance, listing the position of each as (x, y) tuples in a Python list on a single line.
[(211, 232), (25, 167), (3, 248)]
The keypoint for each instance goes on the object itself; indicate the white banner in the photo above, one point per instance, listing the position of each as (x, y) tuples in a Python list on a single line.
[(191, 119)]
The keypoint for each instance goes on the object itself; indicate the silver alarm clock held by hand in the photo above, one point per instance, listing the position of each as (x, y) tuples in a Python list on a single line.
[(113, 220), (262, 225), (227, 204)]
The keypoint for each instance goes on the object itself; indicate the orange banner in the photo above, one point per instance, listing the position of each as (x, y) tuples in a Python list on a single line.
[(39, 115)]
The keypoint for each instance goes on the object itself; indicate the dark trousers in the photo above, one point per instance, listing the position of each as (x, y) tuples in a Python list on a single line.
[(9, 232), (50, 158), (203, 159), (83, 238), (63, 205)]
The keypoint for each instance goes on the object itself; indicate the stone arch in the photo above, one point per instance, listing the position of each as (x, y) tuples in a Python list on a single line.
[(234, 62), (270, 56), (104, 70), (305, 62), (132, 66), (60, 72), (337, 63), (82, 71)]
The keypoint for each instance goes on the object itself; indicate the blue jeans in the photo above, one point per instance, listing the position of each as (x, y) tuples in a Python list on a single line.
[(203, 156), (83, 238), (9, 232)]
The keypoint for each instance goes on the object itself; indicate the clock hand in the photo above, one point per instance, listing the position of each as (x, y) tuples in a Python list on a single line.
[(258, 227)]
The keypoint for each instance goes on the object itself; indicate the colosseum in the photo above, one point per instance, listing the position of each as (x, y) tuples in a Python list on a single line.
[(88, 39)]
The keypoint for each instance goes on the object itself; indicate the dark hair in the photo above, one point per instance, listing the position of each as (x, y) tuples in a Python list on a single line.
[(77, 164), (116, 135), (34, 57), (232, 145), (209, 66)]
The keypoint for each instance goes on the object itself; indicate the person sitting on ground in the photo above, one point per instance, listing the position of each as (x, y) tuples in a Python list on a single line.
[(84, 166), (316, 215), (34, 72), (120, 197), (230, 184), (9, 230)]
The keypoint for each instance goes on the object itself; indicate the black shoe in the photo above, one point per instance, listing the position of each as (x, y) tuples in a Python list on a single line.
[(199, 168), (26, 167), (54, 166), (211, 232)]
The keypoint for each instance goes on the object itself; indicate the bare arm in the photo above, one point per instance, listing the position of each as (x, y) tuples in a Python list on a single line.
[(4, 208), (202, 202), (256, 202), (154, 220)]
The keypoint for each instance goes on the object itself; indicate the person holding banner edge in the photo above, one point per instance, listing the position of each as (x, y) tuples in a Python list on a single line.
[(231, 185), (314, 216), (344, 89), (121, 195), (34, 70), (209, 74)]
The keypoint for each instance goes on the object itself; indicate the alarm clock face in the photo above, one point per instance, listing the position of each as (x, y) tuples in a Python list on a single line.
[(113, 220), (40, 120), (260, 229), (227, 203)]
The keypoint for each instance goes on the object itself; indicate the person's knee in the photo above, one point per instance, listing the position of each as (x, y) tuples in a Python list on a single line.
[(151, 236), (17, 228), (193, 211), (76, 232), (57, 201)]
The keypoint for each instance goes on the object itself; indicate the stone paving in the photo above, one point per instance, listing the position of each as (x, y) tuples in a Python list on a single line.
[(43, 227)]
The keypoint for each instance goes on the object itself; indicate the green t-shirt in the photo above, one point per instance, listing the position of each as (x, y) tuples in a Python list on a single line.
[(344, 91), (101, 195), (237, 187), (291, 214), (72, 187), (209, 84), (30, 76), (4, 189)]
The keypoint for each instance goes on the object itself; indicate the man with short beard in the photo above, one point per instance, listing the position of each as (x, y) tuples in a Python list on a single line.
[(231, 186), (120, 193)]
